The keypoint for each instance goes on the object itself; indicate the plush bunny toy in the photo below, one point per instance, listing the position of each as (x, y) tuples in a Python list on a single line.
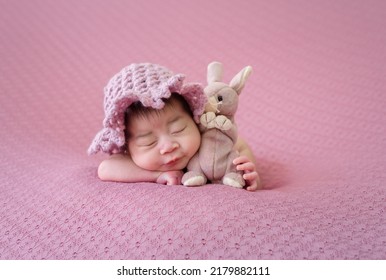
[(214, 160)]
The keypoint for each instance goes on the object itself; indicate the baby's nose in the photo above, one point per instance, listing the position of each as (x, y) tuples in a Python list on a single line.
[(168, 147)]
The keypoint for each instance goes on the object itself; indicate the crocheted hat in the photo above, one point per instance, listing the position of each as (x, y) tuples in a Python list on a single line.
[(147, 83)]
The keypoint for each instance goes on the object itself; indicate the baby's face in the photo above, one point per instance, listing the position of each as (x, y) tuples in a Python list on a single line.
[(163, 141)]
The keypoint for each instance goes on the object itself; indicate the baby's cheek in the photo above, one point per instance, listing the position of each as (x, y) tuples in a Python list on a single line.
[(142, 159), (195, 142)]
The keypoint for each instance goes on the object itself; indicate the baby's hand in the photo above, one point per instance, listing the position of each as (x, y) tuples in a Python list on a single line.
[(170, 178), (244, 164)]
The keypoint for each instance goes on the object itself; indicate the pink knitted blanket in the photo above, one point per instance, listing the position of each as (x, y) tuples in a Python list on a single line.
[(313, 111)]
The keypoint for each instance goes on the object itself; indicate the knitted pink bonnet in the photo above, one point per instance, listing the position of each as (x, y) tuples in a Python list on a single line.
[(147, 83)]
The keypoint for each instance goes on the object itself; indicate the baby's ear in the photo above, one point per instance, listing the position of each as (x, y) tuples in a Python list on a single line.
[(215, 71), (238, 81)]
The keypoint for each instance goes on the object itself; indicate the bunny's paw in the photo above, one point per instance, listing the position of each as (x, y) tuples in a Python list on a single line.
[(223, 123), (234, 180), (208, 119), (193, 178)]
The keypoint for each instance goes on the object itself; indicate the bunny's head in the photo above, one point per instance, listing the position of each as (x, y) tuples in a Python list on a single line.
[(223, 98)]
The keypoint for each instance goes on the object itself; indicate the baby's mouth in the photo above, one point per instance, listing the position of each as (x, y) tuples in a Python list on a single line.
[(172, 162)]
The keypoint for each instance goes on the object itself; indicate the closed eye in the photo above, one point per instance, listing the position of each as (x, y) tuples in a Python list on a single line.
[(179, 130), (146, 143), (149, 144)]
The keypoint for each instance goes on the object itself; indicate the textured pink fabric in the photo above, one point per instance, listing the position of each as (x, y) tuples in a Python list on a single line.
[(313, 111)]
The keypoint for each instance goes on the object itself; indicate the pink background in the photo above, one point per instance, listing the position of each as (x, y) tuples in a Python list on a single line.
[(313, 111)]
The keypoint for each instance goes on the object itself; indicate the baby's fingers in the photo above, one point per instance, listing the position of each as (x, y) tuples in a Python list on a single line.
[(253, 187), (248, 166), (240, 160), (173, 181), (170, 178), (250, 176)]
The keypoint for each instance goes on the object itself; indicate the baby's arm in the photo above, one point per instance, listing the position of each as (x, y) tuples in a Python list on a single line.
[(121, 168), (247, 163)]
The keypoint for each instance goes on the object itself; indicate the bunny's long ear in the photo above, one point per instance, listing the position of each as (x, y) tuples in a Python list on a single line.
[(214, 72), (238, 81)]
